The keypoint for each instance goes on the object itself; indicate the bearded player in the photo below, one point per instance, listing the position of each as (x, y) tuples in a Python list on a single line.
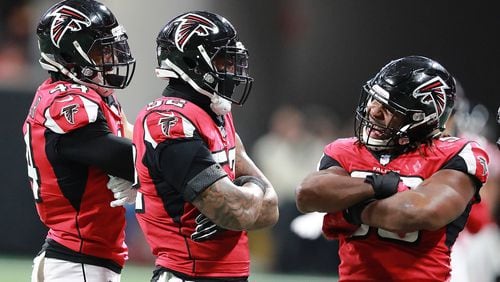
[(398, 194)]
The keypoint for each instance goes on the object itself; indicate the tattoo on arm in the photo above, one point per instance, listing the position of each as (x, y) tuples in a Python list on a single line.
[(229, 206)]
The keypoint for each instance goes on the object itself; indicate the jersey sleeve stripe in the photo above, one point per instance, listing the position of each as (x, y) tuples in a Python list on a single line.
[(188, 127), (147, 135), (91, 108), (470, 161), (51, 124)]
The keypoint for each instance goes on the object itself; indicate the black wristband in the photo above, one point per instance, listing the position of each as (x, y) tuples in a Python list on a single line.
[(384, 185), (353, 213), (249, 178)]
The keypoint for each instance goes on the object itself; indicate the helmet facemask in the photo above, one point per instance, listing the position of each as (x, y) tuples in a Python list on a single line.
[(373, 134), (111, 63), (230, 68), (406, 129)]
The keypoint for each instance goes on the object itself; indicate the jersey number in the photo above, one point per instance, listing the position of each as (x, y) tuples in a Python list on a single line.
[(411, 237), (33, 173), (63, 88), (223, 157)]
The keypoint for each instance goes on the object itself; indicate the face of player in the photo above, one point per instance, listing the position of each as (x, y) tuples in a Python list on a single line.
[(113, 64), (383, 119), (103, 57), (224, 64)]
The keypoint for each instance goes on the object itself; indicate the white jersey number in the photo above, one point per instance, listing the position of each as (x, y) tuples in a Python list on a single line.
[(33, 173), (411, 237)]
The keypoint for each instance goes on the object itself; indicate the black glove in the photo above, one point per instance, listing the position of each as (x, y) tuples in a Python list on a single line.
[(353, 213), (205, 229), (384, 185)]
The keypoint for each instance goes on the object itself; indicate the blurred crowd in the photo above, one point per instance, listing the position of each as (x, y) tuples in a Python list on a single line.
[(16, 33)]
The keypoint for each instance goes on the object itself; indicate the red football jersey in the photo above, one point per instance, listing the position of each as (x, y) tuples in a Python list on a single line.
[(72, 199), (164, 120), (375, 254)]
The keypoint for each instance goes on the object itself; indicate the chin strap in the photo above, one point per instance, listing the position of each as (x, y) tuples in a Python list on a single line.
[(219, 105), (51, 65)]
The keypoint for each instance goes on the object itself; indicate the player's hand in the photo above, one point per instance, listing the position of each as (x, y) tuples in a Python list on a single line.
[(308, 226), (128, 128), (335, 226), (205, 229), (122, 191), (384, 185)]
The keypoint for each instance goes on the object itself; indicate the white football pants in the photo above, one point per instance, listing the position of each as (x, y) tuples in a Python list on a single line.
[(56, 270)]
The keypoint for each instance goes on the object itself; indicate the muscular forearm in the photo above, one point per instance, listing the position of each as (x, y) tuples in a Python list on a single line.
[(324, 191), (403, 212), (230, 206), (411, 210), (269, 213)]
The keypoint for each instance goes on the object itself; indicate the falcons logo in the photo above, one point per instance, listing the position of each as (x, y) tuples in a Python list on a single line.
[(66, 18), (433, 92), (69, 112), (167, 122), (192, 24)]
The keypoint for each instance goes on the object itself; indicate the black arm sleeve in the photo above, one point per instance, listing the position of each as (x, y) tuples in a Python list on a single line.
[(188, 166), (95, 145), (327, 162)]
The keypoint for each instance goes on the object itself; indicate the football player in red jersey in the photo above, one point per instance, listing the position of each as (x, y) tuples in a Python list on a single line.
[(397, 194), (199, 190), (74, 134)]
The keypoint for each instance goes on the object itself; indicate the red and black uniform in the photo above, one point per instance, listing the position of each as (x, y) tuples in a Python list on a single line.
[(375, 254), (182, 149), (72, 143)]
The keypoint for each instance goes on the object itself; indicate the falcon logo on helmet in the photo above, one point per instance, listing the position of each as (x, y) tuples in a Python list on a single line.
[(433, 91), (69, 112), (166, 123), (66, 18), (191, 24)]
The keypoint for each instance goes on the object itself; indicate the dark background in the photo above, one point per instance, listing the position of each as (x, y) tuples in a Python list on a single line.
[(303, 53)]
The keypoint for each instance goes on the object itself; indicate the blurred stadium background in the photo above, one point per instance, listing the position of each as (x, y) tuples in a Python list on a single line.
[(312, 55)]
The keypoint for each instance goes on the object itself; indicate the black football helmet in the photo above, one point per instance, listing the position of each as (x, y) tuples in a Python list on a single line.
[(82, 40), (203, 49), (417, 89)]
